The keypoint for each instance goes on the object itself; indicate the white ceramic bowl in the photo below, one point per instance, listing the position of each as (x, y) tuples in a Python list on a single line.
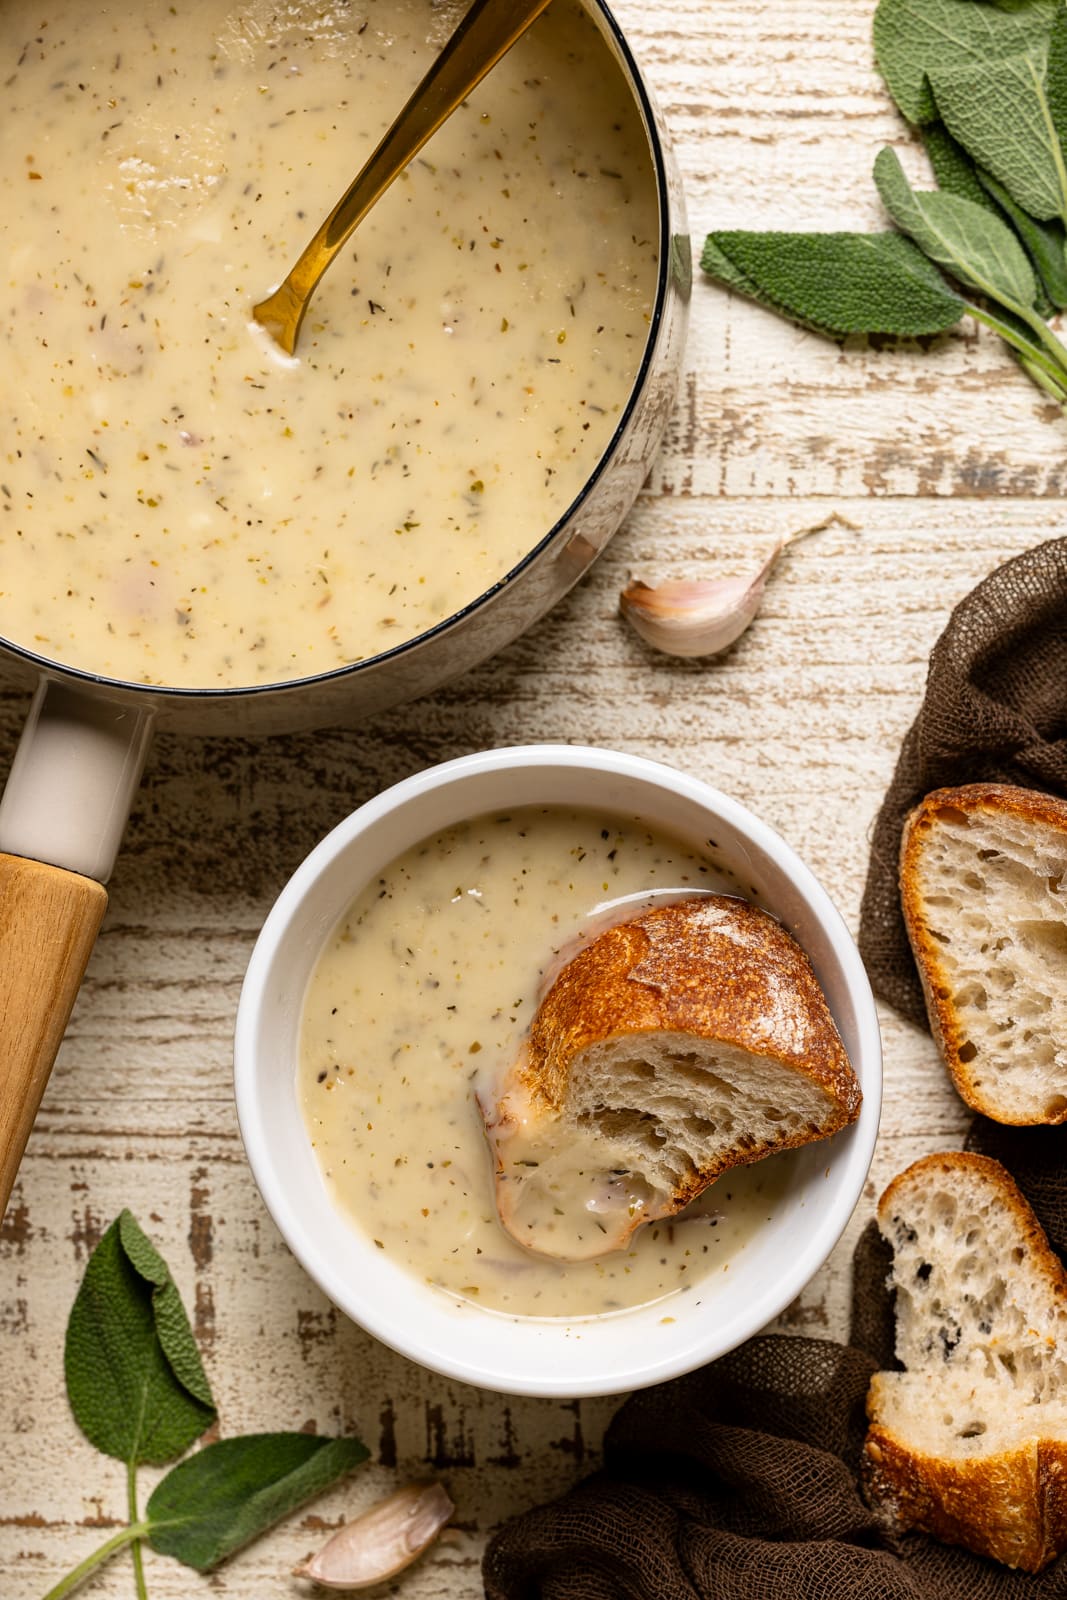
[(553, 1357)]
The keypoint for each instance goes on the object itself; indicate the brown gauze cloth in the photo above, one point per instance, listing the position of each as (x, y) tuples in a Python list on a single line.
[(740, 1482), (995, 710)]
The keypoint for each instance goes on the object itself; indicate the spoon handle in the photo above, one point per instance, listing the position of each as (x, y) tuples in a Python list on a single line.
[(486, 33)]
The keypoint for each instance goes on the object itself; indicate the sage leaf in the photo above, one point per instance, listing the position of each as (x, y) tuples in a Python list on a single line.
[(953, 168), (1056, 76), (718, 265), (1045, 242), (840, 283), (976, 247), (134, 1377), (1000, 112), (172, 1324), (913, 37), (226, 1494), (957, 174)]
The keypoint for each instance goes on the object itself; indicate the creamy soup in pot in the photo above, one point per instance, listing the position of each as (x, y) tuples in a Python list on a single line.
[(421, 1000), (180, 503)]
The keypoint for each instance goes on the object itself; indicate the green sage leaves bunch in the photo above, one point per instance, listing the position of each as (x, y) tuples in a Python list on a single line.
[(985, 84), (139, 1392)]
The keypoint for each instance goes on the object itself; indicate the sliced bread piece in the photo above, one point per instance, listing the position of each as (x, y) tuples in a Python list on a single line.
[(691, 1039), (983, 879), (970, 1442)]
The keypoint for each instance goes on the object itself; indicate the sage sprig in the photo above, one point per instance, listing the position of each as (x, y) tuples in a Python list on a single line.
[(139, 1393), (987, 85)]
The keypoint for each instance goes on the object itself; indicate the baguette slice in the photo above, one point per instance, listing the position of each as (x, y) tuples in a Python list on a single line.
[(691, 1039), (983, 879), (970, 1442)]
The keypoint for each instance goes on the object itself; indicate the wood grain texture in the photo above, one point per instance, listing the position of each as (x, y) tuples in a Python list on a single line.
[(49, 920), (946, 460)]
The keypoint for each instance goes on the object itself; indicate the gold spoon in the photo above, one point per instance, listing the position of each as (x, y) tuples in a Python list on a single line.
[(486, 33)]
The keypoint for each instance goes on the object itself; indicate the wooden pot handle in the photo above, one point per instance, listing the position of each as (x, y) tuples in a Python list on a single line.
[(49, 919)]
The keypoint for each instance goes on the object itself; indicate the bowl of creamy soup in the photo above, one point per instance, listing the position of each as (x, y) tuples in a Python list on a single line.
[(391, 986), (198, 532)]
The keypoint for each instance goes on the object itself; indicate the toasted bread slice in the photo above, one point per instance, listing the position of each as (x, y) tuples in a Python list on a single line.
[(970, 1442), (983, 879), (691, 1039)]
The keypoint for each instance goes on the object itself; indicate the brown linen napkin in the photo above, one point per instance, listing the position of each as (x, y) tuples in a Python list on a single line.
[(995, 709), (739, 1481)]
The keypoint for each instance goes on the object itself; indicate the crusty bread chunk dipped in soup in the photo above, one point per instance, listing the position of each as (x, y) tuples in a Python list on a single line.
[(685, 1042)]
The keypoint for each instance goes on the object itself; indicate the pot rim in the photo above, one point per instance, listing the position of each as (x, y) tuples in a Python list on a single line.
[(188, 696)]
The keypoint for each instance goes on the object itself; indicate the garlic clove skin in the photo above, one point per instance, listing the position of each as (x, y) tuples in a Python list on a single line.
[(695, 617), (382, 1541), (701, 617)]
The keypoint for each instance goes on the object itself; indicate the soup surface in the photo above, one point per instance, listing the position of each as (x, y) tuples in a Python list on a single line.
[(420, 1001), (182, 504)]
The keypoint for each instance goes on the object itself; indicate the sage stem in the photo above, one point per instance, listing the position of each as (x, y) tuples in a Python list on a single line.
[(1049, 340), (138, 1557), (78, 1574), (1038, 375), (1033, 354)]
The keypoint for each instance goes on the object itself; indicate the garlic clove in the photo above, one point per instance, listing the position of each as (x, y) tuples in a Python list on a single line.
[(694, 617), (703, 616), (382, 1541)]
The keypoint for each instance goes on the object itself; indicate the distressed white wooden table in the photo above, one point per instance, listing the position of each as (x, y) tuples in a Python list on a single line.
[(946, 459)]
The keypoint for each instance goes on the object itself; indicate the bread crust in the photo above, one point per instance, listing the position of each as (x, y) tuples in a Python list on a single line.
[(1009, 1505), (712, 968), (949, 1029), (951, 1165), (674, 970)]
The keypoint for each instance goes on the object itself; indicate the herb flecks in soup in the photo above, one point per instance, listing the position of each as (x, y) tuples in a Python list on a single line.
[(420, 1001), (182, 505)]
